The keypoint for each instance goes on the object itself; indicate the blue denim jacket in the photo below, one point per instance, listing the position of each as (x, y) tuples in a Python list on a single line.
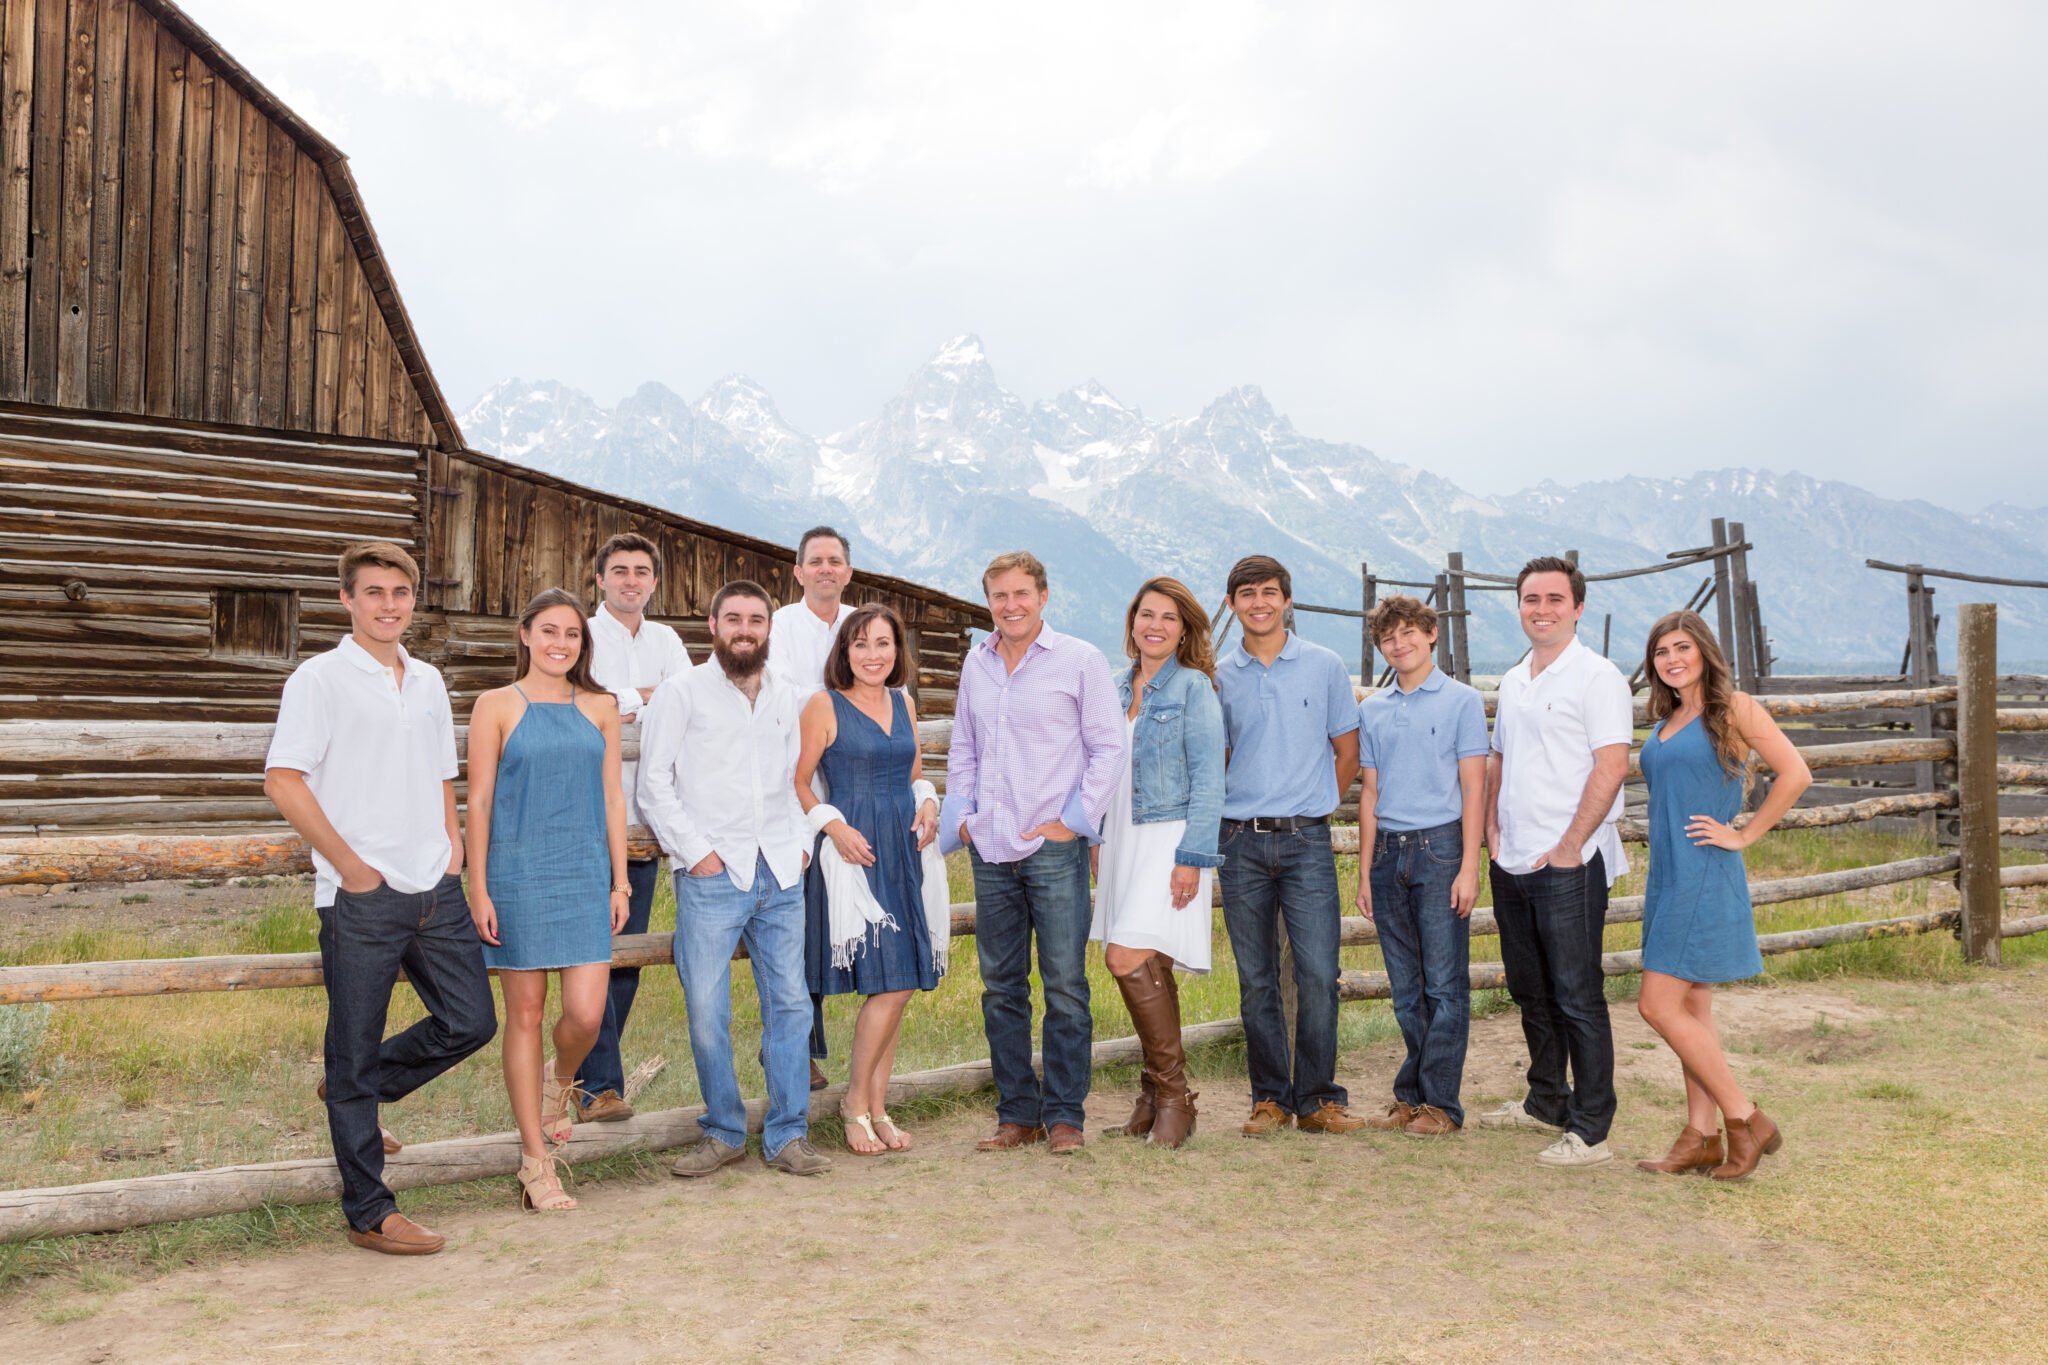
[(1177, 758)]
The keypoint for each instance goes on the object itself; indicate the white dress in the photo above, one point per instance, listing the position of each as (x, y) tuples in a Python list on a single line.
[(1133, 883)]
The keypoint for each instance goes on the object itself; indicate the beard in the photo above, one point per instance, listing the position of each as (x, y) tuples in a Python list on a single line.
[(740, 665)]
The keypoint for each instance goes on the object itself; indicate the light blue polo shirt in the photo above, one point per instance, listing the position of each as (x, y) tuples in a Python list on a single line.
[(1414, 740), (1278, 722)]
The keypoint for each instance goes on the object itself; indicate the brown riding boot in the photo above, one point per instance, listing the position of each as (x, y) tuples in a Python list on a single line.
[(1750, 1140), (1140, 1121), (1693, 1151), (1153, 999)]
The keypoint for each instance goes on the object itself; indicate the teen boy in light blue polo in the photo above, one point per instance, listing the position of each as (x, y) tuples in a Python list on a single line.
[(1422, 758)]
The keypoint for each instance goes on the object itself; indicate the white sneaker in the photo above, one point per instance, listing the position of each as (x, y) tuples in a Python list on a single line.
[(1513, 1115), (1571, 1150)]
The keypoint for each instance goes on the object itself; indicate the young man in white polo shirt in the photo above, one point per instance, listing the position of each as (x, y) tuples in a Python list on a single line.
[(630, 656), (803, 632), (1561, 736), (363, 766)]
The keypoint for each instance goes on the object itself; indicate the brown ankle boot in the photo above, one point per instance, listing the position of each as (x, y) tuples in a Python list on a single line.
[(1694, 1151), (1154, 1001), (1750, 1140)]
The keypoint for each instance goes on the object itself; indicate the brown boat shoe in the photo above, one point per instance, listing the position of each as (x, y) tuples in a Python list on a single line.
[(1397, 1116), (607, 1106), (1008, 1136), (1430, 1121), (1267, 1119), (819, 1080), (1330, 1117), (398, 1235)]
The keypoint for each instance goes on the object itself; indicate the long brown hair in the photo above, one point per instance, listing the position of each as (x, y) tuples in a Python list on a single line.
[(839, 663), (1194, 650), (1717, 688), (579, 668)]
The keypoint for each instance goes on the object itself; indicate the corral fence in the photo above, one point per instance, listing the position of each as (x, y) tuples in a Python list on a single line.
[(1970, 754)]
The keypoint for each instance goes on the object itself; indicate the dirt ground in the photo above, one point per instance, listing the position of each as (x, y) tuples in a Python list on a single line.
[(1366, 1247), (167, 911)]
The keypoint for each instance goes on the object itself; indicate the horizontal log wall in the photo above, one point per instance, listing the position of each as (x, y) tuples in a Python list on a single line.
[(169, 248)]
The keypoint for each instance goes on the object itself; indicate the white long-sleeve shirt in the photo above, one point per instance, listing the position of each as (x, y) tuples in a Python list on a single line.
[(625, 661), (799, 643), (718, 775)]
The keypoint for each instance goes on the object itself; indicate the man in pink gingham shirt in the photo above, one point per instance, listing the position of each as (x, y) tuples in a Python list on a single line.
[(1038, 734)]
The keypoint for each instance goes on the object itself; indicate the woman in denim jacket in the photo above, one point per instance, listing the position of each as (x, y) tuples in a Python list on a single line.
[(1153, 868)]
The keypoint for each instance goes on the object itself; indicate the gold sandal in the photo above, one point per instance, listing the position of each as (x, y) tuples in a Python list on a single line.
[(866, 1124), (883, 1117), (540, 1188)]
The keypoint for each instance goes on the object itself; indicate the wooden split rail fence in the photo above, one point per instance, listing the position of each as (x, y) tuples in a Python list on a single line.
[(1978, 920)]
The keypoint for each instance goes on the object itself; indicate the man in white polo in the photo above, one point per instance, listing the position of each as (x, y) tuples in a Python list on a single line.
[(803, 633), (630, 656), (363, 766), (1561, 736)]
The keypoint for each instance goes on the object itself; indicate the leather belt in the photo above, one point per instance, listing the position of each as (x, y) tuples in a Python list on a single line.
[(1279, 824)]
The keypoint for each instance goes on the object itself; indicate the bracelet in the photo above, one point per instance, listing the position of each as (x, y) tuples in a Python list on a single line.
[(622, 890)]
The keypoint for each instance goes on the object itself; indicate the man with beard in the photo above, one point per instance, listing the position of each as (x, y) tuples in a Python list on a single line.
[(739, 842)]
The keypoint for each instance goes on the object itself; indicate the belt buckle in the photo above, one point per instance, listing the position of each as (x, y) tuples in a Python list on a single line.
[(1262, 824)]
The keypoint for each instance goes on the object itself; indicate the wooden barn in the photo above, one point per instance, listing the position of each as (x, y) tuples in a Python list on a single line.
[(209, 386)]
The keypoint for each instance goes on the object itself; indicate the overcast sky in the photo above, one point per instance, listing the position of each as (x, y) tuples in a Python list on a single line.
[(1502, 242)]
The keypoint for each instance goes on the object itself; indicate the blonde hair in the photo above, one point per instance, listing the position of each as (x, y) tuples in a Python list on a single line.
[(375, 554), (1015, 559)]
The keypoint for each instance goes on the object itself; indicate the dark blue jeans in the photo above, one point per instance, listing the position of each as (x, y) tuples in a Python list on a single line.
[(1045, 895), (1428, 952), (1268, 879), (364, 941), (605, 1069), (1550, 945)]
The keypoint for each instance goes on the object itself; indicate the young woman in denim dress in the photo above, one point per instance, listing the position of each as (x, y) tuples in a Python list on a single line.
[(1158, 850), (1698, 927), (547, 867)]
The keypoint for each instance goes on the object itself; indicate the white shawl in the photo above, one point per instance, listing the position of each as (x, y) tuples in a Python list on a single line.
[(851, 909)]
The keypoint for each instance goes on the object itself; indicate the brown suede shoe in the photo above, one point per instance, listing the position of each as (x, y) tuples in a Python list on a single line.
[(398, 1235), (1750, 1140), (818, 1078), (1397, 1116), (1009, 1135), (1267, 1119), (1694, 1152), (392, 1146), (1065, 1140), (1330, 1117), (608, 1106), (1429, 1121)]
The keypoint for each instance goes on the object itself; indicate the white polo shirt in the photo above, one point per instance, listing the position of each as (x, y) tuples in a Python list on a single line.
[(799, 642), (625, 661), (1545, 729), (718, 775), (375, 754)]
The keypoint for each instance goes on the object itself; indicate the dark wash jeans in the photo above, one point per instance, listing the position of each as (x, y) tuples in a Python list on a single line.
[(1428, 952), (1268, 879), (1045, 895), (604, 1069), (364, 940), (1550, 925)]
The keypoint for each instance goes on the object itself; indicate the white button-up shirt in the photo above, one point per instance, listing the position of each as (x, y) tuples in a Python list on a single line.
[(799, 643), (625, 661), (718, 775), (375, 753), (1545, 729)]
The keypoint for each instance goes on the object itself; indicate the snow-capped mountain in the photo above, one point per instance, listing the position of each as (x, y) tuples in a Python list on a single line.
[(955, 469)]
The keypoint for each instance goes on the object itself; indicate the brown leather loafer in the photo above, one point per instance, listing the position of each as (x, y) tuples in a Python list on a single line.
[(1330, 1117), (1398, 1115), (1267, 1119), (392, 1146), (1065, 1140), (1009, 1135), (608, 1106), (398, 1235), (818, 1078), (1429, 1121)]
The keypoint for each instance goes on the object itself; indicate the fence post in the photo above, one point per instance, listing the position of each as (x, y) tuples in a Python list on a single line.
[(1723, 613), (1738, 585), (1461, 635), (1977, 779), (1442, 594), (1920, 660), (1369, 591)]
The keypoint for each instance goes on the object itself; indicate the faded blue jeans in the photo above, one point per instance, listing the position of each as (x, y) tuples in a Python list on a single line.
[(1044, 896), (1428, 952), (1289, 876), (712, 918)]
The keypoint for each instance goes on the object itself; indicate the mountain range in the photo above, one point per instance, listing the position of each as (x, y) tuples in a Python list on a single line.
[(955, 469)]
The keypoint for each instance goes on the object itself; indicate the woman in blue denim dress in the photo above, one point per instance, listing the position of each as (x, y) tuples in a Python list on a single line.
[(1158, 850)]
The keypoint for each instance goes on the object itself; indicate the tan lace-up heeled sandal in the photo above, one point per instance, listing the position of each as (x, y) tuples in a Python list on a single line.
[(558, 1102), (540, 1185)]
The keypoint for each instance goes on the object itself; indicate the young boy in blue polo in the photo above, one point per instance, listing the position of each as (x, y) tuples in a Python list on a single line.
[(1422, 760)]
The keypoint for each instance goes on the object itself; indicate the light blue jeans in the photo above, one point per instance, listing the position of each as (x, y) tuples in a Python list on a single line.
[(712, 918)]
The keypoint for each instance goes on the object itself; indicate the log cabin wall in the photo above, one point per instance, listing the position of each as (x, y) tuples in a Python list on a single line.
[(174, 242)]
